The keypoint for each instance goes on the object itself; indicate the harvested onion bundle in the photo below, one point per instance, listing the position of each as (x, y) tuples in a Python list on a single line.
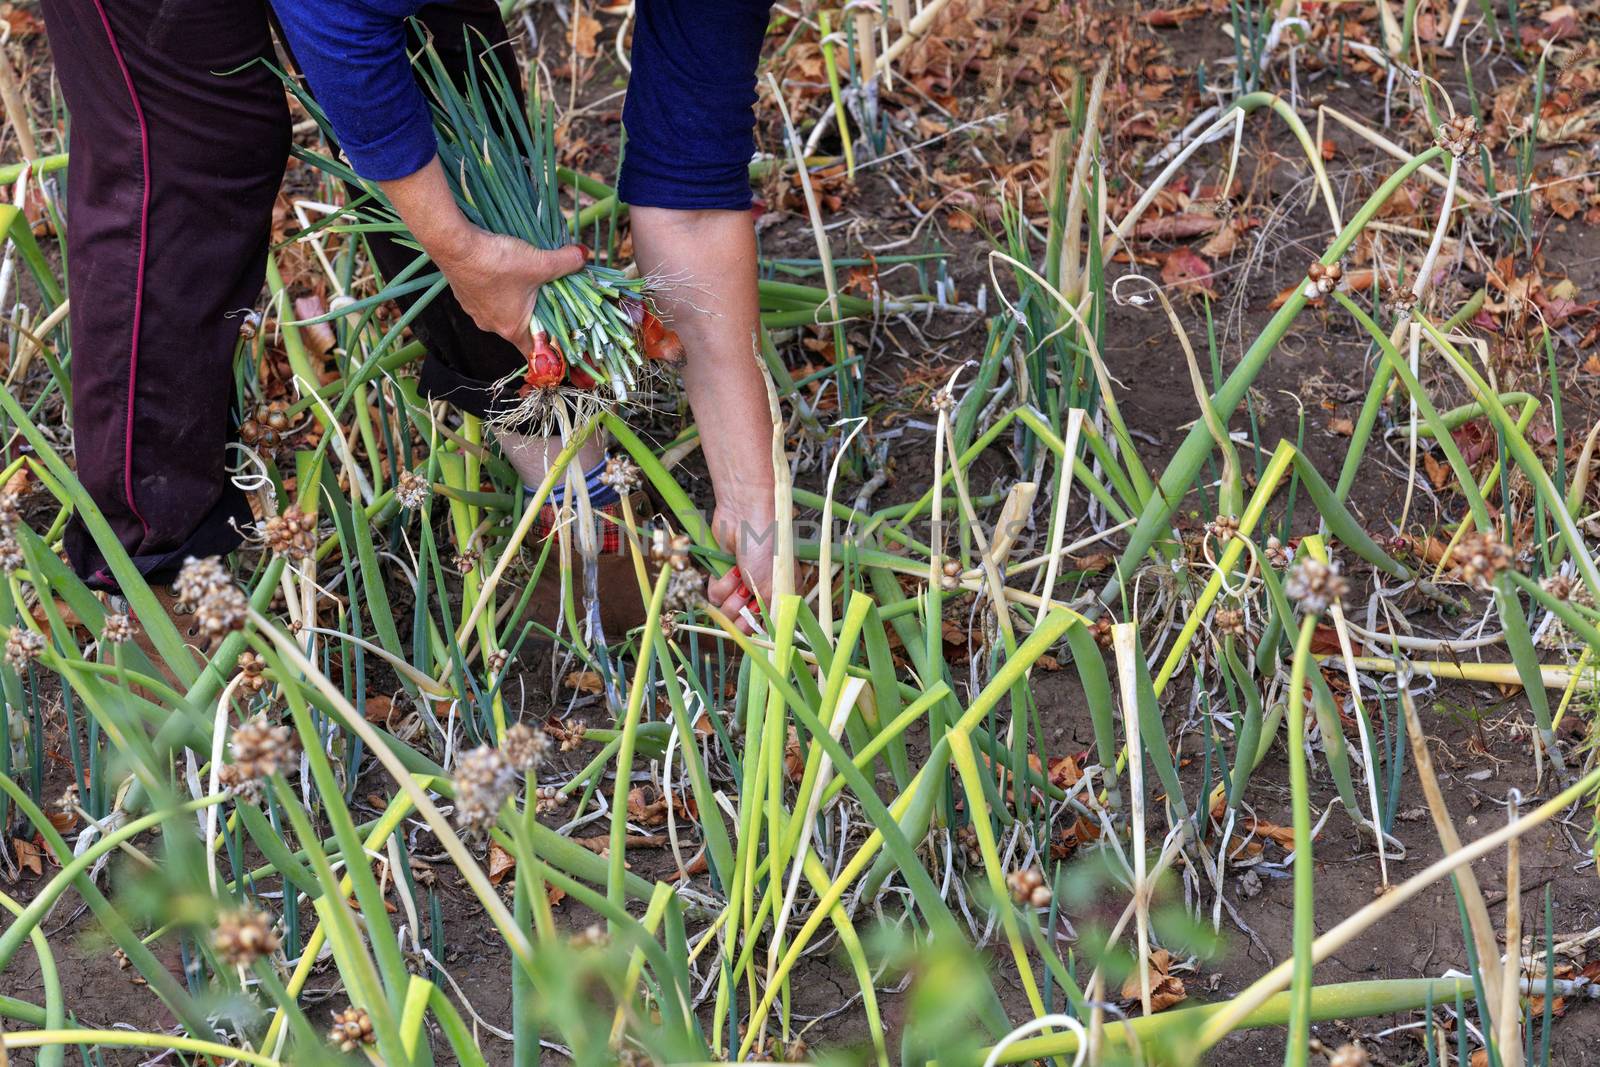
[(594, 332)]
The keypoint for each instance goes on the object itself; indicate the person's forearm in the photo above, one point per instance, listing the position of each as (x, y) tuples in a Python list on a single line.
[(710, 257), (425, 204)]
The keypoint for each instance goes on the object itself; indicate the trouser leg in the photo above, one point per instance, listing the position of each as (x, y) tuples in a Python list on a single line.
[(173, 173)]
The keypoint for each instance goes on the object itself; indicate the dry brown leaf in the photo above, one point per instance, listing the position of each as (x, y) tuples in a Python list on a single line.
[(584, 682), (1166, 989), (1188, 272), (1438, 472), (794, 760), (1223, 242), (29, 855), (318, 337), (1283, 835), (1065, 772), (501, 863), (1176, 227), (585, 34), (643, 810), (379, 709), (1342, 425)]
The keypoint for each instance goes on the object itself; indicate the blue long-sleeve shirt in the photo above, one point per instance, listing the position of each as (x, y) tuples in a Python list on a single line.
[(688, 113), (353, 52)]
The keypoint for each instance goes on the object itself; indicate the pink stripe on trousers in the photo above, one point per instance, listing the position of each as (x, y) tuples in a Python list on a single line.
[(138, 283)]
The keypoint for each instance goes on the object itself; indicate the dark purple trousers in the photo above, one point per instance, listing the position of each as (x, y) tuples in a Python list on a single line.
[(175, 168)]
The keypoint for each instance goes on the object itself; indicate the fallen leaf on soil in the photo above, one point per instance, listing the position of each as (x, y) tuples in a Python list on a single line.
[(1176, 227), (1438, 473), (501, 863), (645, 811), (600, 844), (379, 708), (1069, 838), (1165, 989), (584, 682), (794, 761), (1065, 772), (1325, 640), (1093, 563), (1187, 271), (1341, 425), (1283, 835), (318, 337), (29, 854), (585, 31), (1174, 16), (1223, 242)]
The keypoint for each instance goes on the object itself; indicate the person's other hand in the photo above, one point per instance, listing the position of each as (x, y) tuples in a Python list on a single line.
[(745, 528), (497, 279)]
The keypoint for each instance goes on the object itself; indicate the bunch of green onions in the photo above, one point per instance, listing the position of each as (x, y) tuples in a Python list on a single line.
[(596, 319), (591, 327)]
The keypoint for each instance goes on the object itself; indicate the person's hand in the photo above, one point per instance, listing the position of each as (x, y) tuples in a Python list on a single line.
[(496, 279), (744, 527)]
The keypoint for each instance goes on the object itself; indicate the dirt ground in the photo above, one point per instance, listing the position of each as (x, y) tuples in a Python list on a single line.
[(1478, 734)]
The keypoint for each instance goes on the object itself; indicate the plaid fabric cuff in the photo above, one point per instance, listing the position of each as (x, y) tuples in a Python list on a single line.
[(607, 527)]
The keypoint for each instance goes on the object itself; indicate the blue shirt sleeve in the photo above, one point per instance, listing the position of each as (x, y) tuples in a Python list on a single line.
[(353, 52)]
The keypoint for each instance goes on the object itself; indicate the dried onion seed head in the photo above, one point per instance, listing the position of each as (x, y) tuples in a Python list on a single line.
[(621, 474), (1101, 632), (351, 1029), (118, 628), (23, 646), (685, 589), (11, 558), (412, 490), (525, 747), (252, 665), (1459, 135), (1229, 621), (1352, 1055), (1028, 888), (204, 587), (1479, 559), (244, 936), (1559, 586), (573, 736), (1322, 279), (292, 534), (1223, 528), (260, 749), (1314, 585), (484, 781)]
